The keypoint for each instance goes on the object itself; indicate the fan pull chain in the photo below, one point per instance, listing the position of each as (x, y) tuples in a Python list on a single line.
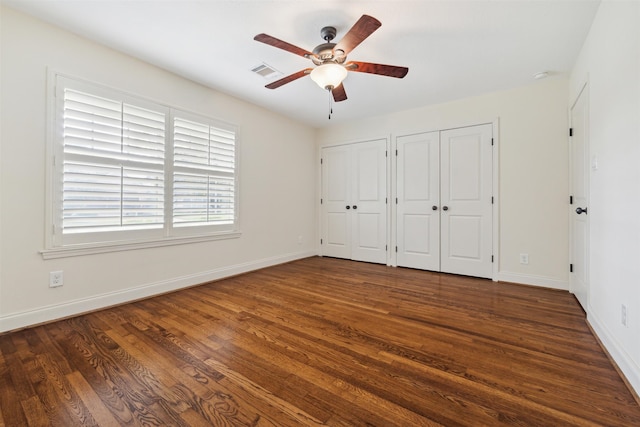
[(330, 103)]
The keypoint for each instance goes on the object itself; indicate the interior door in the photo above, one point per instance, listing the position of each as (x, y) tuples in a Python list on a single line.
[(354, 201), (418, 204), (465, 190), (336, 197), (369, 199), (579, 185)]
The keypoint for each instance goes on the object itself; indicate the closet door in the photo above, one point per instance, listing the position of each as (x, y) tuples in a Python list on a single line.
[(369, 198), (336, 202), (418, 204), (465, 191), (354, 195)]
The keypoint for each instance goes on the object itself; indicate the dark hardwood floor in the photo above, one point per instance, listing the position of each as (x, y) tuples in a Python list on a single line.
[(319, 341)]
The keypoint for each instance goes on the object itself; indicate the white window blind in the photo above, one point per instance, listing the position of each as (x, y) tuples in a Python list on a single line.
[(127, 169), (113, 175), (204, 173)]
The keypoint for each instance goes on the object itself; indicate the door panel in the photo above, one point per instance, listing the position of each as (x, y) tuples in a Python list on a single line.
[(579, 177), (369, 237), (338, 234), (466, 187), (464, 167), (417, 236), (417, 183), (369, 171), (465, 237)]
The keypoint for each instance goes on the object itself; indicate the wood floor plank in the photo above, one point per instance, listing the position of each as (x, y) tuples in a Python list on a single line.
[(319, 341)]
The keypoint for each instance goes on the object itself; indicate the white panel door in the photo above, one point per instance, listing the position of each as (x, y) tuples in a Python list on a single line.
[(354, 197), (579, 182), (465, 191), (369, 198), (418, 192), (336, 202)]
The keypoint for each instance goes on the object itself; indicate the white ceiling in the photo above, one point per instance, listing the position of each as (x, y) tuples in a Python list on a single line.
[(454, 49)]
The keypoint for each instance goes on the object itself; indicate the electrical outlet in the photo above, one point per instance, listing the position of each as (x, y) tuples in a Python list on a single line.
[(623, 315), (55, 279), (524, 258)]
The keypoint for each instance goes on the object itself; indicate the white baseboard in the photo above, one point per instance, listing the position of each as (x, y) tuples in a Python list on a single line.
[(72, 308), (525, 279), (625, 362)]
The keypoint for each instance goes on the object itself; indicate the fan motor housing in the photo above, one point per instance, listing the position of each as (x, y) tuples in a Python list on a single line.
[(325, 52)]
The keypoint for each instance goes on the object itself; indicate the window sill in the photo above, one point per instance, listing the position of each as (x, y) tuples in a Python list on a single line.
[(100, 248)]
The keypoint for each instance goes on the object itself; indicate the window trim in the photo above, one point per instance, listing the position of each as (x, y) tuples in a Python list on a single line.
[(131, 240), (129, 245)]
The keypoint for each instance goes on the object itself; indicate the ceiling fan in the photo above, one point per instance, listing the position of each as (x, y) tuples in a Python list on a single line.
[(330, 58)]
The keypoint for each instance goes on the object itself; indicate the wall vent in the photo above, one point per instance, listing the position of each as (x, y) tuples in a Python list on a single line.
[(266, 71)]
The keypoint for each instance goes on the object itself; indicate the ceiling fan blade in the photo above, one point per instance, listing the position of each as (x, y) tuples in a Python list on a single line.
[(339, 94), (288, 79), (362, 29), (272, 41), (381, 69)]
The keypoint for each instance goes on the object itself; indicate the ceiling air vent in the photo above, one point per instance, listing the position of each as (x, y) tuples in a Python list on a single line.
[(266, 71)]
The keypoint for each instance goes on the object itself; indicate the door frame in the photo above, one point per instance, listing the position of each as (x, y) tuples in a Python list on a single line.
[(495, 129)]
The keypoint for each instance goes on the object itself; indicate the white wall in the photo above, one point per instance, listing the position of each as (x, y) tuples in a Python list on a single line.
[(533, 186), (277, 182), (610, 63)]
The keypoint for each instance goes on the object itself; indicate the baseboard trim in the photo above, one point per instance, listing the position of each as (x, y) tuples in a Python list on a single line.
[(625, 364), (526, 279), (73, 308)]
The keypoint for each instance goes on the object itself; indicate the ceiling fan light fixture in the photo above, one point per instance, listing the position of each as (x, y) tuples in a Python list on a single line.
[(328, 76)]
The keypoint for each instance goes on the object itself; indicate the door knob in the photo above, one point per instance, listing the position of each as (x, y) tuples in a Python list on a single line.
[(434, 208), (355, 207), (348, 207), (445, 208), (581, 210)]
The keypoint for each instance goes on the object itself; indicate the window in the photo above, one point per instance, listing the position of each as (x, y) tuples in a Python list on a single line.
[(203, 177), (129, 170)]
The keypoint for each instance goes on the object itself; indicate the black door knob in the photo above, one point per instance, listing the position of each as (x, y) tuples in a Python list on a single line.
[(434, 208), (581, 210), (355, 207), (348, 207), (445, 208)]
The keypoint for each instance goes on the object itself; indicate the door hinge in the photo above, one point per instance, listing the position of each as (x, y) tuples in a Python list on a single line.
[(570, 268), (491, 199), (491, 141), (396, 200), (570, 200), (320, 241), (396, 152), (321, 161), (491, 258), (320, 201), (386, 200), (570, 131), (386, 248), (386, 154), (396, 249)]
